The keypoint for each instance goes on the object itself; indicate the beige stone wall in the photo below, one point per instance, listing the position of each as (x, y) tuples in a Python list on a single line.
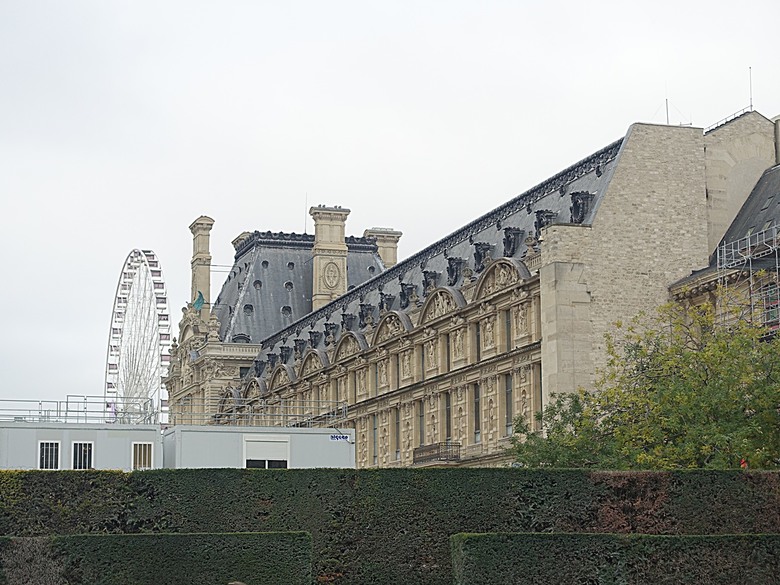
[(737, 154), (649, 230)]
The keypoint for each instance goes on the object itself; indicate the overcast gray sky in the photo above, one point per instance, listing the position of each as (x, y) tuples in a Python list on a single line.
[(121, 122)]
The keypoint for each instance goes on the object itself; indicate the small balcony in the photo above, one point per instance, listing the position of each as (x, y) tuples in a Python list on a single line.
[(436, 453)]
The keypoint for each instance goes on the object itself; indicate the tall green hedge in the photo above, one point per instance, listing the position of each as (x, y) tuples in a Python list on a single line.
[(388, 526), (615, 559), (173, 559)]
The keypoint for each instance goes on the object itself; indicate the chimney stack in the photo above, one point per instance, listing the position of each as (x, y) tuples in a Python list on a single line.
[(329, 263), (201, 263), (387, 242)]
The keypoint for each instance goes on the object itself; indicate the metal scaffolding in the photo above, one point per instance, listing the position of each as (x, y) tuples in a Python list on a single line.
[(748, 271)]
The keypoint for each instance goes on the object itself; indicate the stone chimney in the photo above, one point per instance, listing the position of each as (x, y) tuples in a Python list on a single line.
[(201, 263), (329, 263), (387, 242), (240, 239)]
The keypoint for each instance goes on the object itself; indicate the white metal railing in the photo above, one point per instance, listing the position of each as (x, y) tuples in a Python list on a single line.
[(258, 412), (80, 409)]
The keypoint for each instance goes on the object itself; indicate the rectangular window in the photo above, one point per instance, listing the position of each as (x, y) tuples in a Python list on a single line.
[(49, 455), (508, 404), (266, 464), (397, 371), (448, 355), (477, 416), (82, 456), (375, 439), (448, 416), (422, 363), (142, 456), (376, 379), (421, 421), (397, 433)]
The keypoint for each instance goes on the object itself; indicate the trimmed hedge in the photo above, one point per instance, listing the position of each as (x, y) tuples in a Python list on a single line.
[(388, 526), (540, 559), (173, 559)]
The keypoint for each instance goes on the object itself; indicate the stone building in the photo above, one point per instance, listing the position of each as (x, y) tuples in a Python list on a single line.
[(430, 360), (276, 279)]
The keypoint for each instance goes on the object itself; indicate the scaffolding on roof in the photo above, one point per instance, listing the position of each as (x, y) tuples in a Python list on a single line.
[(748, 270)]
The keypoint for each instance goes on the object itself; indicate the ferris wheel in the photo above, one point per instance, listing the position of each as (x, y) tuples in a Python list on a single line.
[(138, 355)]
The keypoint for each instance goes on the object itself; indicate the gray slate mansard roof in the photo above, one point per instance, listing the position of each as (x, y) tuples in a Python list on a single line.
[(270, 284), (571, 196)]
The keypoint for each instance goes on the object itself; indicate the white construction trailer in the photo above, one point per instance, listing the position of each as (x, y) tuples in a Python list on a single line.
[(203, 446)]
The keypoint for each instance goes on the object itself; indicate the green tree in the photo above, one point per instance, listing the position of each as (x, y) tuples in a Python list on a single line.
[(690, 388)]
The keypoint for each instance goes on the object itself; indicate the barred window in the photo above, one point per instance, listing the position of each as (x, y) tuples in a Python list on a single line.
[(49, 455), (142, 456), (82, 456)]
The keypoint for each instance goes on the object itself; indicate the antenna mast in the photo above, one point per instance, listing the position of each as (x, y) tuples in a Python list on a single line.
[(750, 75)]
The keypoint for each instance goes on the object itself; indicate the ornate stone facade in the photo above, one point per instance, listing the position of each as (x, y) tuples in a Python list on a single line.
[(454, 371), (430, 360)]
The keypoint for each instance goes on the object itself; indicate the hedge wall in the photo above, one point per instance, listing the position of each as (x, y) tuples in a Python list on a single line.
[(173, 559), (540, 559), (388, 526)]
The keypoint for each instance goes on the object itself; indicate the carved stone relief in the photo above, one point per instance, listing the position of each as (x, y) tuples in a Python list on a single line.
[(442, 304), (521, 319), (430, 349), (488, 336), (361, 381), (406, 364)]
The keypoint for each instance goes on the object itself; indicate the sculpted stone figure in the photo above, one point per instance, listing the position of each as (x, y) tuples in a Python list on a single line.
[(457, 349)]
